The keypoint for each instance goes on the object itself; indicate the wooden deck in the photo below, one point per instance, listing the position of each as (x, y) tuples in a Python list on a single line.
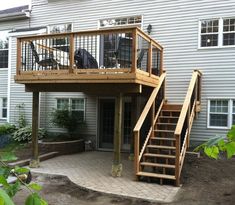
[(52, 59)]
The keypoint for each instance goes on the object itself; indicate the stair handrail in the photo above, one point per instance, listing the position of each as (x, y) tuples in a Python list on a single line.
[(150, 104), (190, 107)]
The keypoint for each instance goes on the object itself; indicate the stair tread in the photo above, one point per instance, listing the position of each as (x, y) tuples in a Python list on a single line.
[(159, 155), (148, 174), (166, 123), (163, 138), (172, 131), (173, 117), (157, 165), (167, 110), (160, 146)]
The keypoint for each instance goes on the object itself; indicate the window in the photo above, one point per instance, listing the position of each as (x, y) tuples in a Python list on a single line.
[(228, 32), (75, 105), (61, 43), (209, 33), (3, 110), (4, 49), (221, 113), (125, 21), (217, 32)]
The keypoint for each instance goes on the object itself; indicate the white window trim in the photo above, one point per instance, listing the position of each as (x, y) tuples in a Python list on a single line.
[(220, 34), (230, 113), (6, 49), (70, 104)]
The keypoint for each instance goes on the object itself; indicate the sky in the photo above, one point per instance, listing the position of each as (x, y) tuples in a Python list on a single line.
[(6, 4)]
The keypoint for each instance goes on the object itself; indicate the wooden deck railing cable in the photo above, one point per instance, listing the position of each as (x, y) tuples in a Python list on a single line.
[(149, 107), (184, 125)]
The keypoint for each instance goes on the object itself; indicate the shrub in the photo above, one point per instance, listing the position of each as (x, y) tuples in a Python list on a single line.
[(25, 134), (7, 129), (215, 146), (66, 119)]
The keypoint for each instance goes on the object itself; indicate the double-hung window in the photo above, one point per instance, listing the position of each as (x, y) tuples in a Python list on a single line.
[(221, 113), (4, 49), (217, 32), (3, 108), (75, 105)]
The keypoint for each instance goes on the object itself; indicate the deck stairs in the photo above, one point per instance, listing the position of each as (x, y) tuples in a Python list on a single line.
[(162, 133), (158, 160)]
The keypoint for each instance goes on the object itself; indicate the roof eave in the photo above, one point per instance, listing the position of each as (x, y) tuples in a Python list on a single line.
[(14, 16)]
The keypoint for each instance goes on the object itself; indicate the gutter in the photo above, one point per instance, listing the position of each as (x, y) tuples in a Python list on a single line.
[(18, 15)]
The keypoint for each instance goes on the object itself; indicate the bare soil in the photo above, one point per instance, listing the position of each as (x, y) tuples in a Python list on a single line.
[(204, 182)]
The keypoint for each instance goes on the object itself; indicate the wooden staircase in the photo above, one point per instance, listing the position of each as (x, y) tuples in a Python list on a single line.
[(161, 156), (158, 160)]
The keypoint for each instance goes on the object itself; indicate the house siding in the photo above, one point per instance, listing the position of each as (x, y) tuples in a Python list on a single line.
[(175, 26)]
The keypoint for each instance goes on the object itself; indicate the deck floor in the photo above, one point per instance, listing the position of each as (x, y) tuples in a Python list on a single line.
[(92, 171)]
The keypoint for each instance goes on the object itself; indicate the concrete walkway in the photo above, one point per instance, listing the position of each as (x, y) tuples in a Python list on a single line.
[(91, 170)]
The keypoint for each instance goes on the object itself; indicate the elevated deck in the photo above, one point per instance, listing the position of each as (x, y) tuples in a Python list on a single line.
[(75, 61)]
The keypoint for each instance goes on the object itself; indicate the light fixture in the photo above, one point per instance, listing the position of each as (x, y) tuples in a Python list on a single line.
[(149, 29)]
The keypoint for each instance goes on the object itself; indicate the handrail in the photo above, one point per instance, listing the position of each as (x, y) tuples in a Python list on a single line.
[(150, 105), (184, 124)]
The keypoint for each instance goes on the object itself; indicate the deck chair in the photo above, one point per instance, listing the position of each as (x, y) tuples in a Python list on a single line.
[(49, 62), (124, 53)]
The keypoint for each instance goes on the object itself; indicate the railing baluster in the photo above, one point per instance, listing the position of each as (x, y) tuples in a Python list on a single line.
[(71, 53)]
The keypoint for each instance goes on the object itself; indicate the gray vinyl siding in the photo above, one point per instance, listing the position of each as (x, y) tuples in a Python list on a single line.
[(175, 26)]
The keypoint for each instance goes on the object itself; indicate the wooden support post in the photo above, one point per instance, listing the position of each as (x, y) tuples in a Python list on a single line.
[(34, 163), (134, 116), (71, 53), (152, 118), (137, 152), (117, 166)]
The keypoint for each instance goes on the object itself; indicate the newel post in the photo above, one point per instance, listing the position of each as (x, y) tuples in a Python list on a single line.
[(137, 152), (177, 159)]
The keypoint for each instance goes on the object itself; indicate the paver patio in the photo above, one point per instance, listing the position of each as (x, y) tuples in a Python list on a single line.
[(91, 170)]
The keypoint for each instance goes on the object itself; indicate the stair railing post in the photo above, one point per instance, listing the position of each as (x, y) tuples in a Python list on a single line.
[(71, 53), (177, 159), (152, 118), (134, 50), (137, 151)]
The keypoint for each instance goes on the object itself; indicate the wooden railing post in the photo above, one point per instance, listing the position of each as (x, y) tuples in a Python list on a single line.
[(71, 53), (134, 50), (18, 63), (188, 124), (161, 61), (152, 118), (177, 160), (137, 151), (150, 55)]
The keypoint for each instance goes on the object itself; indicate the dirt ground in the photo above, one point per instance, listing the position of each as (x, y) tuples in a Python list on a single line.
[(204, 182)]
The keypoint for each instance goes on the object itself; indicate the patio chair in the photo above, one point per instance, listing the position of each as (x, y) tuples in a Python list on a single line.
[(47, 62)]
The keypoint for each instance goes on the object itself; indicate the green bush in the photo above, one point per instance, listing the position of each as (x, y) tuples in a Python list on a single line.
[(25, 134), (7, 129)]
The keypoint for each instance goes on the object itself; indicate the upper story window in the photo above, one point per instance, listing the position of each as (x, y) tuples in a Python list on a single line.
[(209, 33), (124, 21), (221, 113), (4, 49), (217, 32), (61, 43), (229, 32)]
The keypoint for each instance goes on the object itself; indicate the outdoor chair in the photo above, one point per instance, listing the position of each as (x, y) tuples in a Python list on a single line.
[(47, 62)]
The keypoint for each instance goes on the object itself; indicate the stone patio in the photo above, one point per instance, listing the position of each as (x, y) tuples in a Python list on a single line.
[(91, 170)]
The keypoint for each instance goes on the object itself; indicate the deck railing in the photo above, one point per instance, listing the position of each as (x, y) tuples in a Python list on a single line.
[(183, 128), (144, 128), (98, 51)]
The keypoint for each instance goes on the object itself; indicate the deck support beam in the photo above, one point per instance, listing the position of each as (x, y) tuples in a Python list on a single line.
[(117, 166), (34, 163)]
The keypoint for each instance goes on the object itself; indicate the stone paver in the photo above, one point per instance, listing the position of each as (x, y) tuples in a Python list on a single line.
[(92, 170)]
